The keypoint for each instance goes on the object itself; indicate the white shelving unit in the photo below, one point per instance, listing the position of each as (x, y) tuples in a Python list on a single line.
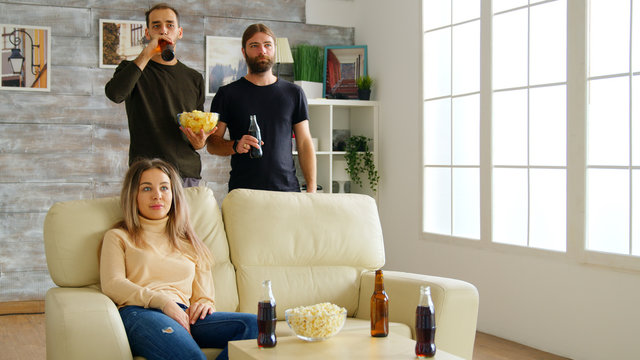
[(360, 118)]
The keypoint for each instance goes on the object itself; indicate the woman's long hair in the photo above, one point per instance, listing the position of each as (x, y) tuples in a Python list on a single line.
[(179, 227)]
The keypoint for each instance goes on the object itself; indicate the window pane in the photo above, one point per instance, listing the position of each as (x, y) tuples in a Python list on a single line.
[(437, 132), (466, 203), (608, 124), (464, 10), (437, 63), (635, 125), (548, 126), (437, 200), (609, 37), (510, 206), (635, 36), (608, 210), (510, 39), (548, 196), (436, 13), (466, 58), (635, 206), (466, 130), (548, 48), (502, 5), (509, 125)]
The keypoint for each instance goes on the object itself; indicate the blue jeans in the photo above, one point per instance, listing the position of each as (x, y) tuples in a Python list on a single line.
[(154, 335)]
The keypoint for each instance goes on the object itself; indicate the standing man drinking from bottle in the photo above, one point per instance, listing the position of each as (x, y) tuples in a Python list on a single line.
[(281, 110), (156, 87)]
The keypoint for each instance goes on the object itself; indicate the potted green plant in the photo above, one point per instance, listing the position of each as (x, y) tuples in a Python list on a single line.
[(308, 61), (360, 160), (364, 83)]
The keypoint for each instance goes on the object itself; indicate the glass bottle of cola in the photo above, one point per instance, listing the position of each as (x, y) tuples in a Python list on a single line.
[(379, 308), (425, 325), (267, 317), (254, 130)]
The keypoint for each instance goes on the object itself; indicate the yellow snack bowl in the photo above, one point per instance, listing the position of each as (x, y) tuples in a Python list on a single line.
[(197, 120)]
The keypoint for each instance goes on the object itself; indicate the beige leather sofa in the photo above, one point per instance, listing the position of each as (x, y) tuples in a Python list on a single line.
[(313, 247)]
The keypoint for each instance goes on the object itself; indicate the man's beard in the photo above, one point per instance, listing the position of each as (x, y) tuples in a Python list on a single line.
[(259, 64)]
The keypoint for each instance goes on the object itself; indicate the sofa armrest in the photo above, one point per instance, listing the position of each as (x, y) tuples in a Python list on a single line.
[(455, 301), (83, 323)]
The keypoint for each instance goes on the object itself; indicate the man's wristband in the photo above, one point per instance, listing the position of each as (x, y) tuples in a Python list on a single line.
[(235, 144)]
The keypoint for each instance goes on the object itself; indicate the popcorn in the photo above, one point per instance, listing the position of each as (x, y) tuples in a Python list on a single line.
[(197, 120), (316, 321)]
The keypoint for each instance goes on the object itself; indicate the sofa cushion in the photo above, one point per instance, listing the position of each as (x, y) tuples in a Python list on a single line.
[(73, 231), (313, 247)]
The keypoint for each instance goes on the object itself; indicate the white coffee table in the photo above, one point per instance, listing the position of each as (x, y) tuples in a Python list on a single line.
[(345, 345)]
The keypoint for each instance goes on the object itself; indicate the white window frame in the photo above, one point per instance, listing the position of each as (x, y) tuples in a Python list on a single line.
[(577, 97)]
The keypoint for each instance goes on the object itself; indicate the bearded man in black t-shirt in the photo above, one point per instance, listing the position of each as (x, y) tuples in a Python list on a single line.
[(281, 111)]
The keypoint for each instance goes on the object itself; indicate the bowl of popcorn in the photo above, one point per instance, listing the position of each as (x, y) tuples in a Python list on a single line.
[(197, 120), (316, 322)]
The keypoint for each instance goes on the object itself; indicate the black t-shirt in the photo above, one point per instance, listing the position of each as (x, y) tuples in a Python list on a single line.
[(153, 98), (277, 108)]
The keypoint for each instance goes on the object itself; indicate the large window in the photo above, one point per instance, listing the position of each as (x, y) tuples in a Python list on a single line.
[(613, 137), (452, 118), (530, 125)]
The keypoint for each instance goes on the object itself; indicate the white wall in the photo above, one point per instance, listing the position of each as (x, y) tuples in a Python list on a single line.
[(331, 12), (551, 303)]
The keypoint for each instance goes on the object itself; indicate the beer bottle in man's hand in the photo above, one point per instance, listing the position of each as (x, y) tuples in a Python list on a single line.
[(167, 50), (254, 130)]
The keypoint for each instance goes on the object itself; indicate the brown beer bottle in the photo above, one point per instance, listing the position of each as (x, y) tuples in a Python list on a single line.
[(379, 308), (425, 325)]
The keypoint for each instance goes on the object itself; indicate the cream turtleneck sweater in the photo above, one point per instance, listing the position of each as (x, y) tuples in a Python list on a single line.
[(153, 275)]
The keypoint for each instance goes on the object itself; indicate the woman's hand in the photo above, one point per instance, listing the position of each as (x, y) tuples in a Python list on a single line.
[(175, 312), (199, 310)]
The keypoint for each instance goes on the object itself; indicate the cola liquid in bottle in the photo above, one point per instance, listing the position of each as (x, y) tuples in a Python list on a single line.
[(254, 130), (425, 325), (267, 317), (379, 308)]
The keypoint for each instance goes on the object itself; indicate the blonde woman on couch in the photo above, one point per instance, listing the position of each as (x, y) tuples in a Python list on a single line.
[(154, 267)]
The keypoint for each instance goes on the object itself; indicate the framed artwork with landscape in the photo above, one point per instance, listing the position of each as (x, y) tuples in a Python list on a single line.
[(120, 40), (224, 63), (26, 55), (343, 65)]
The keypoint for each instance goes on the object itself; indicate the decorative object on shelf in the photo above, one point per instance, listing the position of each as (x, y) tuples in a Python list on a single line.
[(360, 160), (27, 65), (364, 87), (283, 54), (342, 66), (307, 69), (341, 186), (224, 62), (340, 137)]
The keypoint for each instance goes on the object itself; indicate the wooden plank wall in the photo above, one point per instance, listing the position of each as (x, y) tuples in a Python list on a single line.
[(72, 142)]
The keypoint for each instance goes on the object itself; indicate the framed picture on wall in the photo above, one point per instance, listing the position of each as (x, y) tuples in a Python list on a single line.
[(120, 40), (343, 65), (26, 58), (224, 63)]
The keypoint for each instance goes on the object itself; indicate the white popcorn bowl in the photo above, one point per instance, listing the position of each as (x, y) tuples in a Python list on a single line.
[(315, 327)]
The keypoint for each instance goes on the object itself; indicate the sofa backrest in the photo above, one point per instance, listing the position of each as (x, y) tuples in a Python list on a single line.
[(313, 247), (73, 231)]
